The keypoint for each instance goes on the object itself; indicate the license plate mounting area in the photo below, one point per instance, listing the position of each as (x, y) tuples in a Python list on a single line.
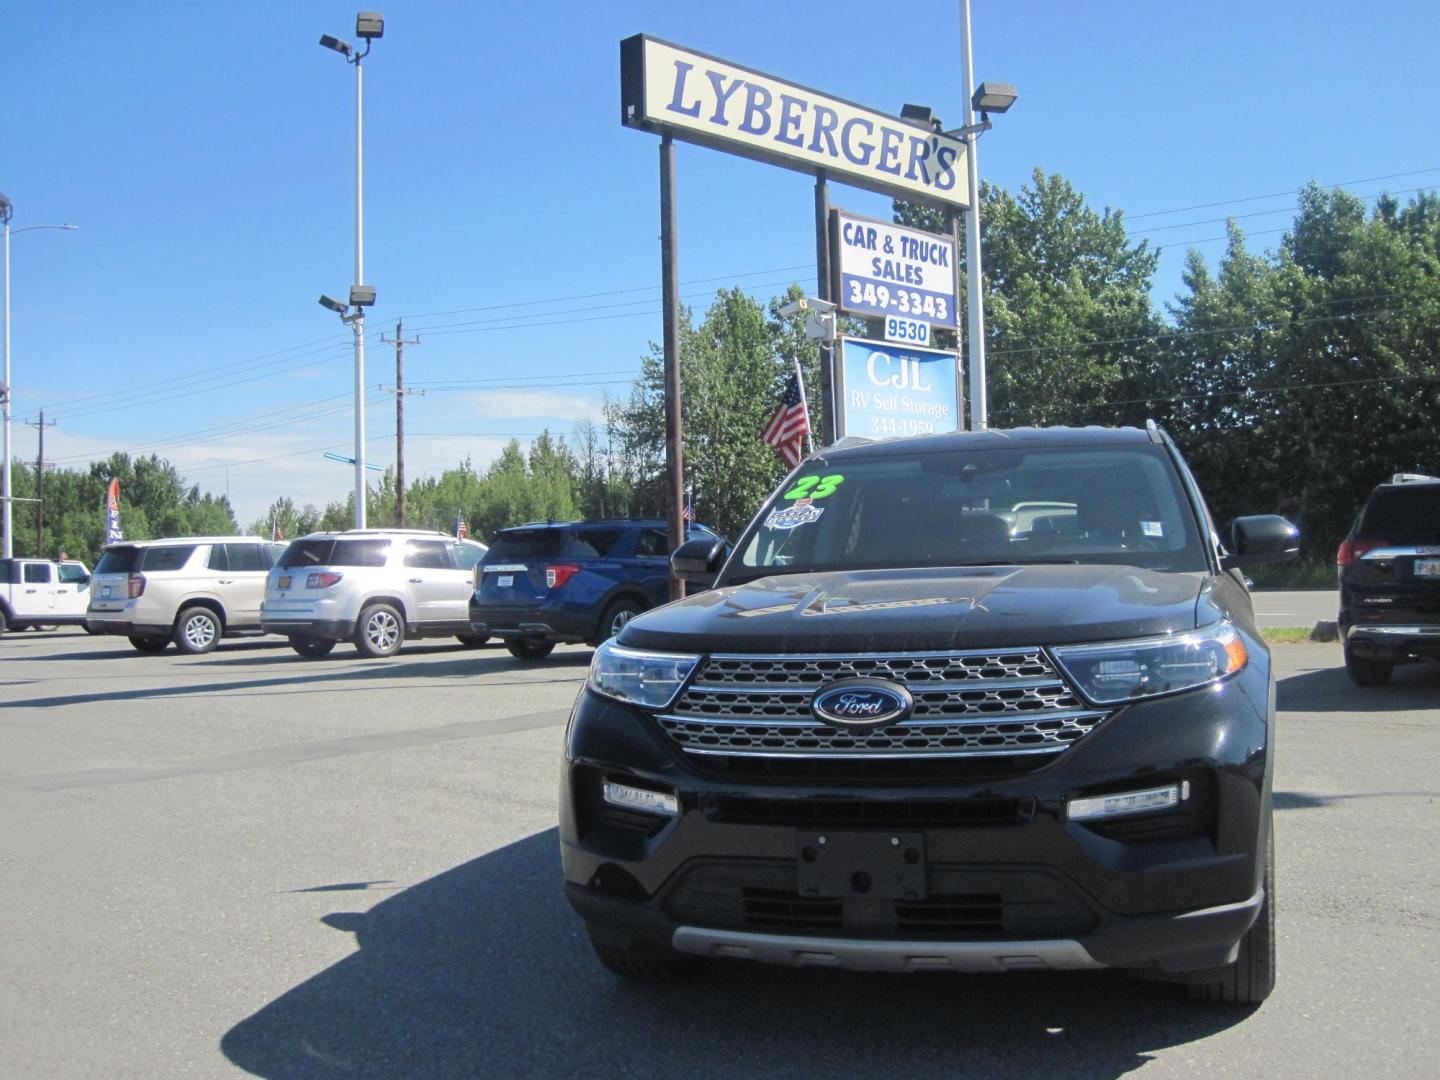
[(1427, 568), (876, 865)]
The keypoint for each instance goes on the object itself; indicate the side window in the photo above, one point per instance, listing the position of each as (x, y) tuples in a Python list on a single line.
[(272, 554), (37, 573), (466, 555), (219, 560), (428, 555), (245, 557), (372, 553), (651, 544), (70, 572), (170, 557), (602, 541)]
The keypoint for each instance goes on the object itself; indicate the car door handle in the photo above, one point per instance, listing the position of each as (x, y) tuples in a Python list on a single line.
[(416, 580), (226, 581)]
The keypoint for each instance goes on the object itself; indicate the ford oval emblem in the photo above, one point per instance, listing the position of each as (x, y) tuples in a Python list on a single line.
[(862, 703)]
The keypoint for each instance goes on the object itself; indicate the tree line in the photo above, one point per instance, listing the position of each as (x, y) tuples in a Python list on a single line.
[(1294, 380)]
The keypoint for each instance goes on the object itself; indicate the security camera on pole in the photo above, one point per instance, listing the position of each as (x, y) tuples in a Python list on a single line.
[(369, 25)]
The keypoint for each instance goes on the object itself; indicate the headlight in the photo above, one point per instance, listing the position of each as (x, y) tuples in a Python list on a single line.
[(644, 678), (1148, 667)]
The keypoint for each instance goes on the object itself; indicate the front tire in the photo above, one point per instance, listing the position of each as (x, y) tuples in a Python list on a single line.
[(1364, 672), (380, 631), (313, 647), (149, 644), (529, 648), (197, 631), (1249, 980)]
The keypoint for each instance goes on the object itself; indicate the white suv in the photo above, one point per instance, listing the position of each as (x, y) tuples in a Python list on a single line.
[(191, 590), (375, 587)]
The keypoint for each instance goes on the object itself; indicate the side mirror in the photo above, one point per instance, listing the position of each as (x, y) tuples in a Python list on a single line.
[(1263, 538), (698, 561)]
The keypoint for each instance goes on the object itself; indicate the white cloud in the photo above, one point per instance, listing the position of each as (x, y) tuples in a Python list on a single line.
[(533, 404)]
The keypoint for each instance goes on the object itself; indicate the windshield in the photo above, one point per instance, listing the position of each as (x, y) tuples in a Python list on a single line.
[(1115, 505)]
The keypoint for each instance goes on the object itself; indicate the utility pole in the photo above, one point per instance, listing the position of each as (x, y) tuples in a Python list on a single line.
[(399, 391), (40, 485)]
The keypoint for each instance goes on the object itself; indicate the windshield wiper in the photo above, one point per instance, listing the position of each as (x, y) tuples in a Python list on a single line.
[(1019, 562)]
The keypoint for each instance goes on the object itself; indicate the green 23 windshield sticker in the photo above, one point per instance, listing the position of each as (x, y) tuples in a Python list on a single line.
[(815, 487)]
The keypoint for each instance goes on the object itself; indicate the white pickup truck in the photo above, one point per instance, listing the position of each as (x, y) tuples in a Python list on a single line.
[(39, 592)]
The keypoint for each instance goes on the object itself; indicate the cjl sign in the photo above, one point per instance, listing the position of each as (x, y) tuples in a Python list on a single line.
[(887, 390)]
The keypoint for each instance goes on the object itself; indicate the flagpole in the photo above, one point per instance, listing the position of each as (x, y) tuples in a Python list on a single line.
[(809, 428)]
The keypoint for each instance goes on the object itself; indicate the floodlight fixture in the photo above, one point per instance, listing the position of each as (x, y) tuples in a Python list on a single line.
[(7, 208), (993, 97), (333, 304), (922, 116), (369, 25), (362, 295), (344, 48)]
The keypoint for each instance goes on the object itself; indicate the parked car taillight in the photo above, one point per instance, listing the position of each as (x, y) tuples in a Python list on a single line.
[(323, 579), (559, 574), (1351, 550), (136, 585)]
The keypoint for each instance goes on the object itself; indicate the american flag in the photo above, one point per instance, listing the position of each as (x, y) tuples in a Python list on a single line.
[(461, 529), (787, 429), (688, 513)]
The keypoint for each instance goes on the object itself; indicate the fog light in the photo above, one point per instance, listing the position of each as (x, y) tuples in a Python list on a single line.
[(649, 802), (1129, 802)]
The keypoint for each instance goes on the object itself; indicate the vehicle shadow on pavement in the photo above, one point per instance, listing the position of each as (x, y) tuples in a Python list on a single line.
[(484, 971), (1412, 686), (320, 675)]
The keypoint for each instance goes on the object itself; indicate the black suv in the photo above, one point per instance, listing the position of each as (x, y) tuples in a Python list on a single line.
[(571, 581), (984, 701), (1389, 569)]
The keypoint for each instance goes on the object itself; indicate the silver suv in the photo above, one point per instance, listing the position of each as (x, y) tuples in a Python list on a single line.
[(191, 590), (375, 587)]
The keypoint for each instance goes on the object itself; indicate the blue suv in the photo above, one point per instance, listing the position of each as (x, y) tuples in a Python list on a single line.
[(571, 581)]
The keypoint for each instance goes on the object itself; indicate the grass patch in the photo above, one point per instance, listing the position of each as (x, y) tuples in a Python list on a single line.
[(1311, 574), (1286, 635)]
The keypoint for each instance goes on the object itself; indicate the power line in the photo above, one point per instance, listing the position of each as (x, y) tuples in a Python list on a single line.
[(1277, 194), (1290, 208)]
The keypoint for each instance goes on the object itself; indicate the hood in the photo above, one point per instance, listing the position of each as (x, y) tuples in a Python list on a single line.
[(924, 610)]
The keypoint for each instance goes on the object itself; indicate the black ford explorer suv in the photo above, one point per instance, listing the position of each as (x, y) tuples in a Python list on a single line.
[(1390, 580), (972, 702)]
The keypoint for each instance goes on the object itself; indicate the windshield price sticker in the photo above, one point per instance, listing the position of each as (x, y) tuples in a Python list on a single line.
[(887, 270), (792, 517), (815, 487), (906, 330)]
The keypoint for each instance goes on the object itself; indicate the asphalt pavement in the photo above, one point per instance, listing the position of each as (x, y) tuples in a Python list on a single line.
[(249, 863)]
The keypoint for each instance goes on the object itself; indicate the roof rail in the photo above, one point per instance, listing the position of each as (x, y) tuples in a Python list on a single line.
[(1153, 430), (1413, 478)]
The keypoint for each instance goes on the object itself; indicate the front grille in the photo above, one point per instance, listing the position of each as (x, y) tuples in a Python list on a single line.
[(1006, 702), (844, 813), (949, 916), (964, 904)]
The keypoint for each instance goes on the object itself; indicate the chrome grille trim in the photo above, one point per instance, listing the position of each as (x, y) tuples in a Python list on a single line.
[(967, 703)]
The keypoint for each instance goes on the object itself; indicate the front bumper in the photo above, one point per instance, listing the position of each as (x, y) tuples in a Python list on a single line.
[(1004, 879)]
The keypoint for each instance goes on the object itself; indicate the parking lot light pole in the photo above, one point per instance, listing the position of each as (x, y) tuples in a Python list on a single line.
[(6, 211), (988, 98), (369, 25)]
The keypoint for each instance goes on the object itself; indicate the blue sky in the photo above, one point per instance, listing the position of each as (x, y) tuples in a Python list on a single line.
[(206, 152)]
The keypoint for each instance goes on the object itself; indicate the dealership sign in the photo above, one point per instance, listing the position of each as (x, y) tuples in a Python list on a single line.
[(670, 89), (887, 389), (890, 270)]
